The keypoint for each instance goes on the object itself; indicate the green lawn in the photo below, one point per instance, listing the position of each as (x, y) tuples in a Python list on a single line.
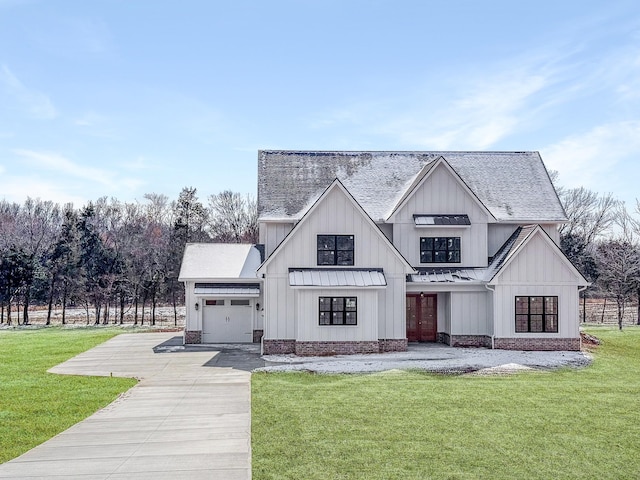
[(564, 424), (35, 405)]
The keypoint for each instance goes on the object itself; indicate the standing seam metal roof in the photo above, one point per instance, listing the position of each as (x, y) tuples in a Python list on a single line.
[(315, 277)]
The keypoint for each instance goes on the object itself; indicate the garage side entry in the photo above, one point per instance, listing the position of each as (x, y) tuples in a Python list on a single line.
[(223, 296)]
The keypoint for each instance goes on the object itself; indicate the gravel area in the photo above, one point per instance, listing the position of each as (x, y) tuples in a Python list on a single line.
[(432, 357)]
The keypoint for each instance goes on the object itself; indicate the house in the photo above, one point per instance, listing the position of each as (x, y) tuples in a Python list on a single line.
[(366, 251)]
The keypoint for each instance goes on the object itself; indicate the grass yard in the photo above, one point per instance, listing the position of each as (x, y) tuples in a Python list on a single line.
[(35, 405), (581, 424)]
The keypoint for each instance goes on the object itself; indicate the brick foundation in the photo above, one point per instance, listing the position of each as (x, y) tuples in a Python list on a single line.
[(570, 344), (469, 341), (278, 347), (444, 338), (257, 336), (392, 345), (336, 348), (192, 336)]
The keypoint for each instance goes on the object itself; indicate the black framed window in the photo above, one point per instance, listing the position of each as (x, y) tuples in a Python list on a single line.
[(440, 250), (338, 311), (335, 249), (537, 314)]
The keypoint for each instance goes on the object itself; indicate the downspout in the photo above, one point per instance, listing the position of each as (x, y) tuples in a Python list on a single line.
[(582, 289), (493, 321)]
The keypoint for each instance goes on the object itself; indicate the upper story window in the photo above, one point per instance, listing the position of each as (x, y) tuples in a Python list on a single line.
[(335, 250), (440, 250), (536, 314)]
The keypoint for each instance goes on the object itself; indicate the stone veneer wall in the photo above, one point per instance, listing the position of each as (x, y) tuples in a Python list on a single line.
[(257, 336), (192, 336), (470, 341), (571, 344), (392, 345)]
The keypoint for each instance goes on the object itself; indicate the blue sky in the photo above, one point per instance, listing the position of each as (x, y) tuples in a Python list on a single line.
[(125, 97)]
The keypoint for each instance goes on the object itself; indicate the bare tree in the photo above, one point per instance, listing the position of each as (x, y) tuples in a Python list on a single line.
[(618, 262), (590, 214), (233, 218)]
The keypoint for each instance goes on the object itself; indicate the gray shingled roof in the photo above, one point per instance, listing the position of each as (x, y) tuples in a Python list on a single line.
[(513, 186)]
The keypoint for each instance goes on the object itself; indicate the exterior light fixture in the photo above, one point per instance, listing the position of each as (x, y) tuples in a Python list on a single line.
[(197, 306)]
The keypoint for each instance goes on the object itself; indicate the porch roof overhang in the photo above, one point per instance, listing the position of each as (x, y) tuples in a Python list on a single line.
[(227, 289), (453, 275), (337, 277), (461, 220)]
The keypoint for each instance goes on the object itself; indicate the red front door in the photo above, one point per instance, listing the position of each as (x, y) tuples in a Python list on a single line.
[(422, 319)]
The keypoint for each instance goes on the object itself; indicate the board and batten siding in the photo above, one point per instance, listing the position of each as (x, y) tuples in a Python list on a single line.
[(309, 328), (272, 233), (442, 194), (444, 312), (537, 270), (470, 313), (193, 319), (335, 214)]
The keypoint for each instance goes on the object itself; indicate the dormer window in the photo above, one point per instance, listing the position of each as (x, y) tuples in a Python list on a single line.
[(335, 250), (440, 250)]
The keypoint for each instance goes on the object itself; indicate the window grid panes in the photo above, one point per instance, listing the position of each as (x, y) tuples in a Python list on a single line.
[(338, 311), (335, 249), (537, 314), (440, 250)]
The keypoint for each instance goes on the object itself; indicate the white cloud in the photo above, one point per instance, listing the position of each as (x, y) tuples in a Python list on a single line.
[(55, 177), (592, 159), (479, 118), (35, 103), (16, 188), (62, 165)]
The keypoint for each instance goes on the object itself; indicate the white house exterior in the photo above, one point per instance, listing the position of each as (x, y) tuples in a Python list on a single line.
[(366, 251)]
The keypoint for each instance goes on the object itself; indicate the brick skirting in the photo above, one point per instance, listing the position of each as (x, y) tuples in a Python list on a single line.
[(469, 340), (278, 347), (336, 348), (444, 338), (392, 345), (570, 344), (192, 336), (257, 336)]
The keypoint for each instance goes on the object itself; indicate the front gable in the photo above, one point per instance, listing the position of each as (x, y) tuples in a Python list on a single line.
[(438, 204), (438, 189), (335, 213), (538, 260)]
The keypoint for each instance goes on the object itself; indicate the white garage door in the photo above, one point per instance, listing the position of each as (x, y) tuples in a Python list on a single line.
[(227, 321)]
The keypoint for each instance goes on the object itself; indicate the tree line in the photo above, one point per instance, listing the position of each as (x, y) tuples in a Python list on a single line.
[(110, 257), (602, 239)]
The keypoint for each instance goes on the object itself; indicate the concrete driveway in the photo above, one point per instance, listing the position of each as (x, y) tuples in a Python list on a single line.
[(183, 420)]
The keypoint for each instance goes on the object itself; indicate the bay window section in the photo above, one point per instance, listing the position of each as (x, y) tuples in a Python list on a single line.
[(338, 311), (537, 314)]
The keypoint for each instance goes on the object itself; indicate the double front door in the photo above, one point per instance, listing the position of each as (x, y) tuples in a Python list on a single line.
[(422, 320)]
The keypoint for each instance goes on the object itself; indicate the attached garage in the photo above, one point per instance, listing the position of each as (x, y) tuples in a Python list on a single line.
[(222, 293), (227, 320)]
